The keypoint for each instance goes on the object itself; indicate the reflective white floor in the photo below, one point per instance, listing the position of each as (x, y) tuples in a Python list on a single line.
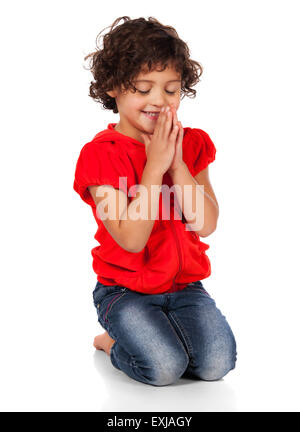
[(79, 378), (48, 362)]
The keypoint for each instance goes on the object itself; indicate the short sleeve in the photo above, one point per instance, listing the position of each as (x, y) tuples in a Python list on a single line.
[(98, 164), (201, 151)]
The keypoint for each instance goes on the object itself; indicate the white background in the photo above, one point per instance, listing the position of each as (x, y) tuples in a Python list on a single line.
[(248, 102)]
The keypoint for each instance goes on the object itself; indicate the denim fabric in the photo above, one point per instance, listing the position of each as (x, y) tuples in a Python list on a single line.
[(160, 337)]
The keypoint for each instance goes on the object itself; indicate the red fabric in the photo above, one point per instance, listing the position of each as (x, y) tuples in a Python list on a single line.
[(173, 256)]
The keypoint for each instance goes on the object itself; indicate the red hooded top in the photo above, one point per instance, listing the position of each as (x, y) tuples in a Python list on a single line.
[(173, 256)]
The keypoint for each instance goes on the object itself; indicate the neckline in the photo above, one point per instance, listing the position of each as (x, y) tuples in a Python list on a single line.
[(111, 127)]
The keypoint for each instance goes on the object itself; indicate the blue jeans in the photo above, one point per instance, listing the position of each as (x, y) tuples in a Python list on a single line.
[(160, 337)]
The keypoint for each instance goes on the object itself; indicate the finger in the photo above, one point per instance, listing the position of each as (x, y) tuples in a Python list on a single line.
[(174, 116), (175, 119), (159, 122), (146, 142), (179, 136), (161, 115), (164, 130), (181, 131), (168, 123), (147, 138), (174, 132)]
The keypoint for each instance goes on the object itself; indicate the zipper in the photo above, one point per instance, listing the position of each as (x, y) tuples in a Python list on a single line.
[(178, 250), (177, 242), (195, 235)]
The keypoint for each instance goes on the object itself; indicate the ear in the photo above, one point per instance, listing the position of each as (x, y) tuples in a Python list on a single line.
[(112, 93)]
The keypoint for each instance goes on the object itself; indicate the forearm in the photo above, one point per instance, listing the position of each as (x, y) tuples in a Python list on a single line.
[(138, 219), (199, 209)]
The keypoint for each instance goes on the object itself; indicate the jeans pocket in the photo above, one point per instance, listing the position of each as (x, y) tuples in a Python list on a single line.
[(109, 302), (104, 299), (101, 291), (197, 285)]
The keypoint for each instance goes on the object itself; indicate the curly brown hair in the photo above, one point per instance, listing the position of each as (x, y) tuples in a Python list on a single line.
[(132, 47)]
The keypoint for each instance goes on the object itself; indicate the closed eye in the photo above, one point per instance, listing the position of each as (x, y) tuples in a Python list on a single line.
[(146, 92)]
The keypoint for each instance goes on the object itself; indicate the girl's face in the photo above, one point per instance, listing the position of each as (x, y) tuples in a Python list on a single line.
[(154, 90)]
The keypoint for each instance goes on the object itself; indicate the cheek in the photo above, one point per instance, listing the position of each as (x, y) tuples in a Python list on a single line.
[(130, 103), (135, 105)]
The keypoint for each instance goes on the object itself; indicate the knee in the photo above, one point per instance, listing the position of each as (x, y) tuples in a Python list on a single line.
[(170, 371), (215, 370), (215, 365), (168, 375)]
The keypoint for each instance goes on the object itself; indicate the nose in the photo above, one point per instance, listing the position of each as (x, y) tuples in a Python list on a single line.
[(159, 99)]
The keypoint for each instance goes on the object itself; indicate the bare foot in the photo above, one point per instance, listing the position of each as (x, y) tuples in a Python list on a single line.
[(104, 342)]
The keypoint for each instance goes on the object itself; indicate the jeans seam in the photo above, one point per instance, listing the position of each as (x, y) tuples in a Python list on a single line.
[(111, 304), (183, 334)]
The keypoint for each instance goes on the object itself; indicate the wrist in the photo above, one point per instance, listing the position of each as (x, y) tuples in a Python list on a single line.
[(181, 167), (153, 171)]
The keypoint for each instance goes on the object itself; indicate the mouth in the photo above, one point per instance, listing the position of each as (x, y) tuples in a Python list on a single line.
[(152, 115)]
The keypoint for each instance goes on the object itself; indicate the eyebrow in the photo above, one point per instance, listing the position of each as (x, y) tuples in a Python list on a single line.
[(153, 81)]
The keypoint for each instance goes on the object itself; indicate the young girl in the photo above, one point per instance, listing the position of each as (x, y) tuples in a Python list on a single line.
[(160, 322)]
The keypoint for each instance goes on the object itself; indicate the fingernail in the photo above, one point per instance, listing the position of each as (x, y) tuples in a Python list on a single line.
[(163, 109), (167, 109)]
